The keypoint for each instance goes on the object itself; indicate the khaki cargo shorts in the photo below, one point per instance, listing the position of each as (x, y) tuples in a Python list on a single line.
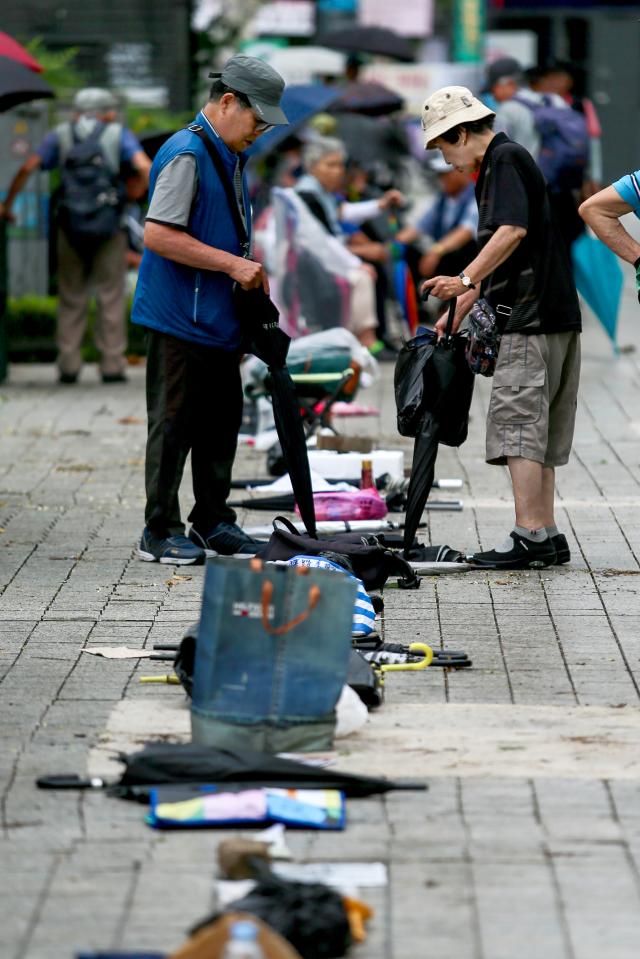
[(532, 411)]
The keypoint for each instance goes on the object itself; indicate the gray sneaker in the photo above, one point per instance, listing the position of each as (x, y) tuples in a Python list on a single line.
[(171, 550), (225, 539)]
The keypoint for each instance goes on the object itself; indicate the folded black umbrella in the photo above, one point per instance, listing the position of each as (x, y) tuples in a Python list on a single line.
[(162, 763)]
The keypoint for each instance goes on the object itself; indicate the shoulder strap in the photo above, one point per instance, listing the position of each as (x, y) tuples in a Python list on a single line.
[(64, 133), (93, 137), (111, 145), (227, 185), (525, 103)]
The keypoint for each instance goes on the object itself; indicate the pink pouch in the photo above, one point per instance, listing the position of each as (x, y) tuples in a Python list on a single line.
[(361, 504)]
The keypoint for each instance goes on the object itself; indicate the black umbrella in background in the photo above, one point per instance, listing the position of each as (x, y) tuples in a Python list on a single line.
[(365, 96), (19, 84), (364, 39), (448, 385)]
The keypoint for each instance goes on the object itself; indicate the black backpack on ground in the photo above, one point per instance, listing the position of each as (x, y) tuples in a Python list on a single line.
[(370, 562), (91, 194)]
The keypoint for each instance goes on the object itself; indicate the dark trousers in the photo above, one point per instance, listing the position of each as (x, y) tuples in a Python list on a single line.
[(194, 403)]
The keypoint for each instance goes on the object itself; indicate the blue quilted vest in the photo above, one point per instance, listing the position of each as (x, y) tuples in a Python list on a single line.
[(192, 304)]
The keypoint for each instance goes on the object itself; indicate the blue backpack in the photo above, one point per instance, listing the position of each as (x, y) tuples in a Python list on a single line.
[(564, 149)]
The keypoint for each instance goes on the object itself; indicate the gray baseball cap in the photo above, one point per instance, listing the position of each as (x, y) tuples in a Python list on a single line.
[(259, 82)]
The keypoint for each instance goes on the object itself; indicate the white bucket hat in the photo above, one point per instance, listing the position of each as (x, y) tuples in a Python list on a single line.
[(448, 107)]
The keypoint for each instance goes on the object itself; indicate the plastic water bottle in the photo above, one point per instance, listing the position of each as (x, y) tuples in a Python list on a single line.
[(243, 942)]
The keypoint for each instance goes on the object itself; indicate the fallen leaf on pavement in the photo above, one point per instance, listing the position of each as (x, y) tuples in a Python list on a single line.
[(178, 578)]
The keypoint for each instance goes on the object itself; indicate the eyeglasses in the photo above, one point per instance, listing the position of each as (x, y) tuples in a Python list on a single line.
[(262, 127)]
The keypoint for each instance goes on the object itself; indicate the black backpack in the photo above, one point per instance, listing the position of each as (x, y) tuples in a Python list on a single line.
[(92, 194), (371, 562)]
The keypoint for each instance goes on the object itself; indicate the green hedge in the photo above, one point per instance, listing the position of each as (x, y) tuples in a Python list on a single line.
[(31, 330)]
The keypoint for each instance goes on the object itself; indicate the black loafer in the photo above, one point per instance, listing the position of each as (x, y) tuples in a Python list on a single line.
[(563, 553), (524, 554)]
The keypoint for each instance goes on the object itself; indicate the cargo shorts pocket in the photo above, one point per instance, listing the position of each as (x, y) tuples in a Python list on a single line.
[(517, 396)]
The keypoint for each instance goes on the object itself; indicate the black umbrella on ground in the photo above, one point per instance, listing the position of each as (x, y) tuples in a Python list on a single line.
[(435, 386), (365, 39), (19, 84), (190, 763)]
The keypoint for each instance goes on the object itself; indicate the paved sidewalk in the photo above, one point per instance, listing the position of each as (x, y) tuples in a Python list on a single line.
[(496, 860)]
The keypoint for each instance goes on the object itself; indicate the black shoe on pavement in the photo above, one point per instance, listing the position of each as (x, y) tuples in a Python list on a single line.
[(563, 553), (68, 378), (225, 539), (114, 378), (170, 550), (524, 554)]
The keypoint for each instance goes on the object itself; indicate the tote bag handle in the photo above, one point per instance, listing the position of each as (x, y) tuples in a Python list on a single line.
[(256, 566), (267, 594)]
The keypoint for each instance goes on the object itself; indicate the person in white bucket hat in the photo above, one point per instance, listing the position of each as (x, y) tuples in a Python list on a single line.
[(523, 273)]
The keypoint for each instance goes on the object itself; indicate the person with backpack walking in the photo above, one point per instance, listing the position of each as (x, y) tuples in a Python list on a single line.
[(556, 136), (197, 236), (92, 152), (523, 274)]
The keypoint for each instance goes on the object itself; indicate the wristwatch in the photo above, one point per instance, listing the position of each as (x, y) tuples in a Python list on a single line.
[(466, 281)]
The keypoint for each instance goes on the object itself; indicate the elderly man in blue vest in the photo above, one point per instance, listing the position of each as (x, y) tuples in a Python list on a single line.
[(193, 256)]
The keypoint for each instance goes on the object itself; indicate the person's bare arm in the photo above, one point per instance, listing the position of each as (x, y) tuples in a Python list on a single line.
[(452, 241), (142, 164), (176, 244), (602, 212), (30, 164), (499, 248)]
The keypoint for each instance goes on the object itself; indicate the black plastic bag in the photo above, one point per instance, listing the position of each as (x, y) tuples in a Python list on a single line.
[(364, 680), (409, 382), (433, 377), (310, 916)]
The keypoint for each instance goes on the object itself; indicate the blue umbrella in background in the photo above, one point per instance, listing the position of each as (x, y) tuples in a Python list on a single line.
[(300, 103), (599, 279)]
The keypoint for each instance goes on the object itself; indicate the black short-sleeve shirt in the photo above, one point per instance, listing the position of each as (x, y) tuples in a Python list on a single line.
[(536, 282)]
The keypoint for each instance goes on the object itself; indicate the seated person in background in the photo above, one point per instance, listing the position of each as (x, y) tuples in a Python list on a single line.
[(371, 241), (323, 160), (450, 223)]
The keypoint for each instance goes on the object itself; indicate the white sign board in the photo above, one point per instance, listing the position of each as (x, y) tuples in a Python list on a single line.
[(410, 18), (416, 81), (286, 18), (520, 44)]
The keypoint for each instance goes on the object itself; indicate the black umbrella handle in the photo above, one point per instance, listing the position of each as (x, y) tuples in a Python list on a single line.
[(452, 312), (69, 781)]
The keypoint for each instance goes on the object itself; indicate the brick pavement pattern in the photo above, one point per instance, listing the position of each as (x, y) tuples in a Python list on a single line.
[(481, 867)]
